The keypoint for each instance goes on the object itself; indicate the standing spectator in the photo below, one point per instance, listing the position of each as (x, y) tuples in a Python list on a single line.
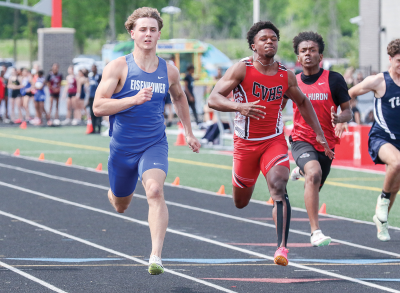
[(70, 90), (3, 93), (14, 85), (40, 96), (82, 82), (355, 110), (189, 81), (6, 119), (348, 76), (26, 82), (54, 83), (359, 78), (94, 80)]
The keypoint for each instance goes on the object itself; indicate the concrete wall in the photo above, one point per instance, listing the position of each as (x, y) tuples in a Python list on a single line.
[(56, 45), (369, 34), (390, 24)]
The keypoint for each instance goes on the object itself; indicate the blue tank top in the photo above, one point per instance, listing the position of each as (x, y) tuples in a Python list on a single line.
[(387, 110), (135, 129), (40, 80)]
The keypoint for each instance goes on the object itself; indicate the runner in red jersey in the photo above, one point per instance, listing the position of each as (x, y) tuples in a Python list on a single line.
[(259, 84), (326, 90)]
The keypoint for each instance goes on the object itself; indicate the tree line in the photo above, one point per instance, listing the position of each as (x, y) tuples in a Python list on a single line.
[(199, 19)]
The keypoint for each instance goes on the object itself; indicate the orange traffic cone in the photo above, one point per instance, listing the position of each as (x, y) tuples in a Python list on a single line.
[(221, 190), (89, 126), (322, 210), (68, 162), (176, 181), (16, 153), (180, 140), (99, 167), (41, 157), (23, 125), (270, 201)]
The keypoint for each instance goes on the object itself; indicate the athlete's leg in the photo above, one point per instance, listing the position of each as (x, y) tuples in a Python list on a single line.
[(51, 107), (313, 174), (57, 101), (390, 155), (277, 178), (153, 182), (242, 196), (120, 204)]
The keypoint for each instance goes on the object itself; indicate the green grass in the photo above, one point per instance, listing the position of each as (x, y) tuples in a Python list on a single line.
[(354, 203)]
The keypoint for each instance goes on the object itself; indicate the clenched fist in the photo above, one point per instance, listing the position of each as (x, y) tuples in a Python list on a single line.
[(143, 96)]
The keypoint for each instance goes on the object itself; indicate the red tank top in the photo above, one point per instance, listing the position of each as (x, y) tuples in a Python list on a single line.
[(269, 90), (320, 97), (72, 86)]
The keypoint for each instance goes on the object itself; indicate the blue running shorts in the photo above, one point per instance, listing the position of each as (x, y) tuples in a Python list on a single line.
[(124, 169), (376, 140)]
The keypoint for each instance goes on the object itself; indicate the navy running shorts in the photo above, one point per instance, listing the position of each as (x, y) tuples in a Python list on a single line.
[(124, 169), (376, 140)]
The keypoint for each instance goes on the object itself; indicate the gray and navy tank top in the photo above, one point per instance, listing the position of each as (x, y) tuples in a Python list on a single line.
[(135, 129), (387, 110)]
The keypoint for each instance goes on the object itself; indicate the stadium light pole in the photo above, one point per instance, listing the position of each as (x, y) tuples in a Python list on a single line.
[(171, 10), (256, 11)]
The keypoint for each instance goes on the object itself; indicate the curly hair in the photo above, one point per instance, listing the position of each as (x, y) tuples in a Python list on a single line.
[(393, 48), (253, 31), (141, 13), (308, 36)]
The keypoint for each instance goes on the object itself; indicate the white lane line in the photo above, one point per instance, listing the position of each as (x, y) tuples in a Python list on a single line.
[(114, 252), (179, 186), (200, 238), (32, 278), (200, 210)]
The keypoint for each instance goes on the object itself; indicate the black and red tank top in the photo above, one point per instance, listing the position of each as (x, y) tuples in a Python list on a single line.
[(320, 96), (269, 90)]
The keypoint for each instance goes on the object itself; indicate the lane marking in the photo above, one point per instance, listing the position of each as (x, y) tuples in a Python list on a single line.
[(193, 208), (32, 278), (72, 260), (105, 248), (275, 245), (200, 238), (271, 280), (294, 219), (349, 261), (212, 260)]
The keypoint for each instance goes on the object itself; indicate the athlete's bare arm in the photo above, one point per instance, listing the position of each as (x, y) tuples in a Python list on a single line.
[(372, 83), (112, 81), (218, 98), (181, 106), (307, 111)]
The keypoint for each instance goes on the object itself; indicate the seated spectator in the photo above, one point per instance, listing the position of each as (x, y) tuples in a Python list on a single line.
[(212, 133)]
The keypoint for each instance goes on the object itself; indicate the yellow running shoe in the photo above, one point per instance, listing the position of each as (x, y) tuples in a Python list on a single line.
[(155, 265)]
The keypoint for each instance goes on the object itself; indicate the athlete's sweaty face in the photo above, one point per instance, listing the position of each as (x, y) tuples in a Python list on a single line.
[(395, 63), (309, 55), (146, 33), (265, 43)]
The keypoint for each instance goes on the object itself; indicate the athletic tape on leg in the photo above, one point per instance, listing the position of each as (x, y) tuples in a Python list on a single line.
[(279, 224), (288, 217)]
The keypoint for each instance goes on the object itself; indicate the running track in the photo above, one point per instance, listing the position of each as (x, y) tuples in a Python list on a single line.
[(58, 233)]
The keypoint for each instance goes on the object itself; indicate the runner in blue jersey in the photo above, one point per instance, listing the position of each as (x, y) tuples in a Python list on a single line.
[(384, 137), (132, 91)]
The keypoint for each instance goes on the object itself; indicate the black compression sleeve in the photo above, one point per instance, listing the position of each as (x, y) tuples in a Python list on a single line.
[(338, 88)]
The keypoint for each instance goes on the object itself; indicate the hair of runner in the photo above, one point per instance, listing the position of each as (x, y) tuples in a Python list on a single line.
[(253, 31), (308, 36), (143, 13), (393, 48)]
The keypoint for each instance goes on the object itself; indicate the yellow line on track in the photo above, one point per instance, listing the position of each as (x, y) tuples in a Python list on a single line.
[(101, 149), (350, 185)]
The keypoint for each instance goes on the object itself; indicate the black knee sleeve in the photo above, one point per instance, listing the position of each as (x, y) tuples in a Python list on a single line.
[(279, 214)]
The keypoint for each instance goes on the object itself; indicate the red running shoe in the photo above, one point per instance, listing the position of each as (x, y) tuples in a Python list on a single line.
[(280, 257)]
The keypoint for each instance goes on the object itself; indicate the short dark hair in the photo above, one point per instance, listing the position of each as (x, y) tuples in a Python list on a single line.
[(393, 48), (308, 36), (190, 67), (40, 73), (253, 31)]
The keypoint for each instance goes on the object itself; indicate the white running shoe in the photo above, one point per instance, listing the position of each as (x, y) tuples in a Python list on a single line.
[(106, 132), (74, 122), (66, 121), (56, 122), (382, 209), (155, 265), (383, 229), (295, 175), (318, 239)]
